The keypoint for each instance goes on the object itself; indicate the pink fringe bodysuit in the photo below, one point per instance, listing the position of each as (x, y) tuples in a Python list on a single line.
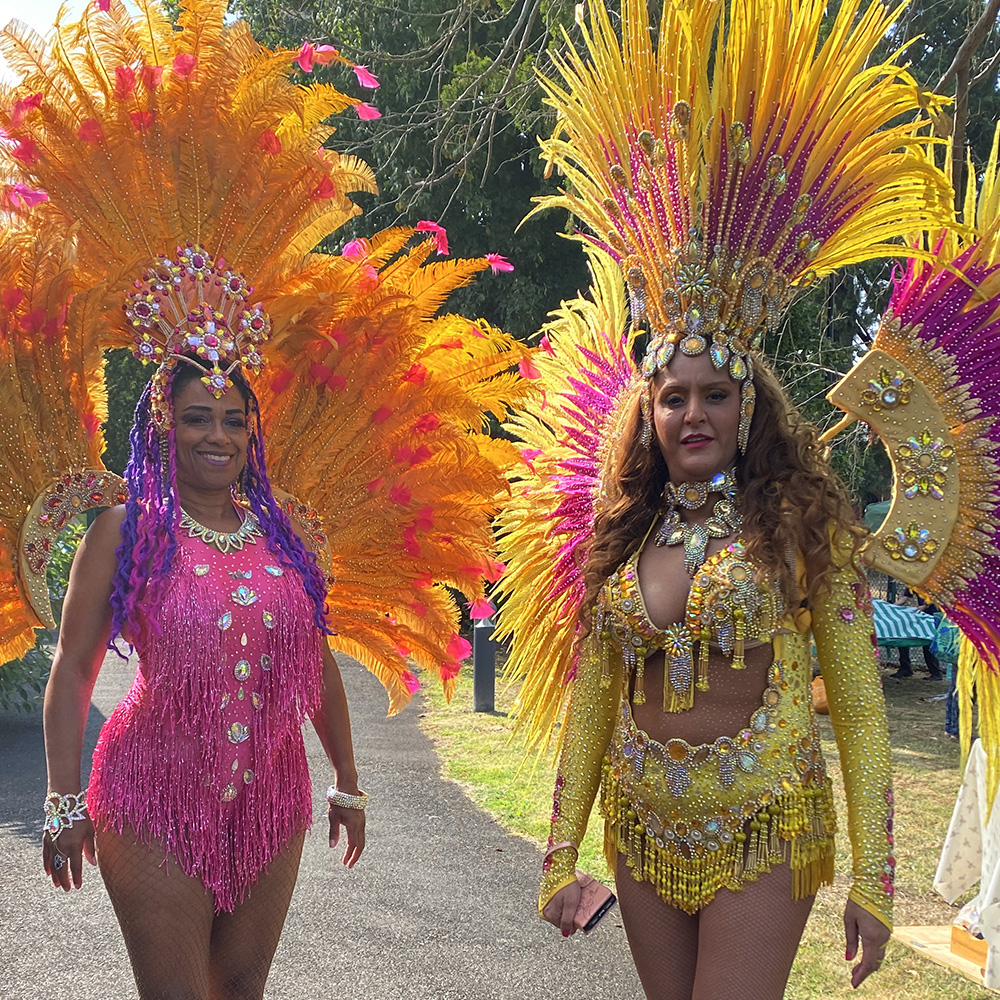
[(204, 755)]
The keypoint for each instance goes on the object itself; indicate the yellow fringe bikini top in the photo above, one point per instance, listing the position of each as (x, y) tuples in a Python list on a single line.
[(730, 603)]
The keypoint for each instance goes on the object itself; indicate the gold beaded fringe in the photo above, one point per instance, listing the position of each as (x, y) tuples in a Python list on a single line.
[(798, 829)]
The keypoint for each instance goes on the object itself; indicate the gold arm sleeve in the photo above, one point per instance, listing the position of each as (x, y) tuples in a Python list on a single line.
[(589, 725), (843, 629)]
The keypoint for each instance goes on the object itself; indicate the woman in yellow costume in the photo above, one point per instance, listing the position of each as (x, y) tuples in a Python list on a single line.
[(167, 165), (699, 539)]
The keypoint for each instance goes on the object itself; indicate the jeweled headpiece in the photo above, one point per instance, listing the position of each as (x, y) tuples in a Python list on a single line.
[(723, 174), (192, 308)]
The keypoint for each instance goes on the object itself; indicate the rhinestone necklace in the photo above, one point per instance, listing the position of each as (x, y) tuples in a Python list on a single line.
[(724, 520), (224, 541)]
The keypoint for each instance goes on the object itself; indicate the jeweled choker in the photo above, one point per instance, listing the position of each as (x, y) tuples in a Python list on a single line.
[(724, 520), (224, 541)]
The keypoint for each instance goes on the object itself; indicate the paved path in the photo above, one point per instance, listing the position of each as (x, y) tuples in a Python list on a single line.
[(441, 906)]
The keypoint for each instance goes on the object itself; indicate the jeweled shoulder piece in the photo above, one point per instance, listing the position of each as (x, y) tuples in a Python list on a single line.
[(928, 388), (224, 541), (71, 494)]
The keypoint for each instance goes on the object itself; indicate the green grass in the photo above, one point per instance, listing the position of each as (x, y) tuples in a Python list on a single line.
[(476, 751)]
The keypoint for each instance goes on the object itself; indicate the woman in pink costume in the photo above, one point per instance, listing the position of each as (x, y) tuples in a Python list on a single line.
[(199, 797)]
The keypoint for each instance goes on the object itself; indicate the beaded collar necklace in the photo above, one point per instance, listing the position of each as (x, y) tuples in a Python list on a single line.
[(724, 520), (224, 541)]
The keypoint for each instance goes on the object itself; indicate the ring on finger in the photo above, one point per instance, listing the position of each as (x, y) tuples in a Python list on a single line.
[(57, 861)]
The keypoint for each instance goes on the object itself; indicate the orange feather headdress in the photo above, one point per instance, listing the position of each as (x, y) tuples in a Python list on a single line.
[(148, 136)]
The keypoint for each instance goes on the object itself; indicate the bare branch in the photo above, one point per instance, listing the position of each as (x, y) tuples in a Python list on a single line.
[(989, 70), (972, 41)]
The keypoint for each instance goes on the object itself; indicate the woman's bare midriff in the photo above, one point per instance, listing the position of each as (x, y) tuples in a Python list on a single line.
[(723, 710)]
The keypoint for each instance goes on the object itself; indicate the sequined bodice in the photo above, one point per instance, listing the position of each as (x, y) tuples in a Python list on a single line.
[(725, 580), (731, 604), (204, 755), (242, 602)]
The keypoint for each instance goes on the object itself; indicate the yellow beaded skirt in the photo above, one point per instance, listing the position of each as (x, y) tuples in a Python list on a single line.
[(695, 819)]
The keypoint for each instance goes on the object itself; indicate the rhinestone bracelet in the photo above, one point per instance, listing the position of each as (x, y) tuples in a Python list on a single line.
[(62, 811), (344, 800)]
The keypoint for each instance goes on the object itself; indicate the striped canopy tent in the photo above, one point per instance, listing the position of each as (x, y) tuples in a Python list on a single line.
[(875, 514), (902, 626)]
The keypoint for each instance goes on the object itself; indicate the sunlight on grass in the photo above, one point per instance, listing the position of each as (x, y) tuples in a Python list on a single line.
[(476, 751)]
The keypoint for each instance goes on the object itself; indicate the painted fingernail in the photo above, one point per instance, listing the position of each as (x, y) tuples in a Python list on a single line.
[(848, 956), (565, 933)]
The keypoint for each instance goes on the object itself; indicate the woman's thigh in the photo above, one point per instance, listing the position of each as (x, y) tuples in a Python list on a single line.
[(244, 941), (663, 939), (747, 940), (740, 946), (165, 916)]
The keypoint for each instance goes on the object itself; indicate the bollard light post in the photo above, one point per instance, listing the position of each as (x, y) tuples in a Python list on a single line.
[(483, 665)]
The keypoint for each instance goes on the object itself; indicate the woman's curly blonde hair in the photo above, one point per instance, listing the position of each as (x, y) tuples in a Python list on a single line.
[(793, 502)]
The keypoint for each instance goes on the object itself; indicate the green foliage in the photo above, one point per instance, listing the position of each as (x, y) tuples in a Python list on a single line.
[(825, 332), (456, 143), (939, 30), (125, 378), (22, 681)]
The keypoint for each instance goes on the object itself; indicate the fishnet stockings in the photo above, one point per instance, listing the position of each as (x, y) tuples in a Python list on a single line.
[(180, 949), (738, 947)]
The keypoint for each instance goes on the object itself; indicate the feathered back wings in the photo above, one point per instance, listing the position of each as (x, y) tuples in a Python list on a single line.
[(51, 411), (382, 414), (586, 377), (144, 136)]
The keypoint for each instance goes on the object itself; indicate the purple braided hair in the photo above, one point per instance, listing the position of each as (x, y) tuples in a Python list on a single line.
[(152, 515)]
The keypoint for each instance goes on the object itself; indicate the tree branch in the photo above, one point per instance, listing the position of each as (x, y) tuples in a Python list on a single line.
[(972, 41), (990, 68)]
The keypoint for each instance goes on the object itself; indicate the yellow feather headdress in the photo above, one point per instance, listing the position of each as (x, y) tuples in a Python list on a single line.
[(728, 165), (722, 165)]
